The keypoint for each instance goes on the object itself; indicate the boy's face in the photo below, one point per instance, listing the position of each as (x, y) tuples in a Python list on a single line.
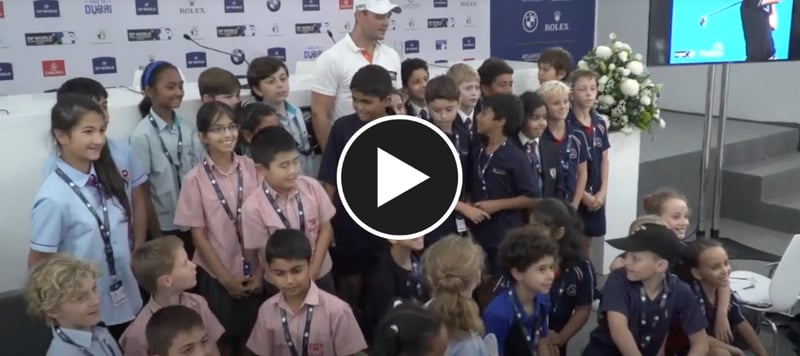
[(192, 342), (282, 171), (470, 93), (183, 275), (643, 265), (228, 99), (501, 85), (416, 85), (415, 244), (290, 276), (538, 277), (584, 92), (557, 106), (275, 88), (443, 112), (398, 105), (535, 123), (81, 312), (486, 124), (368, 107), (547, 73)]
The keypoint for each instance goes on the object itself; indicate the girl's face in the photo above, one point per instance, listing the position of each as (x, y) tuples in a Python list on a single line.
[(168, 89), (535, 123), (86, 139), (557, 106), (675, 214), (264, 122), (417, 83), (713, 268), (438, 344), (275, 88), (221, 135), (83, 311), (397, 104)]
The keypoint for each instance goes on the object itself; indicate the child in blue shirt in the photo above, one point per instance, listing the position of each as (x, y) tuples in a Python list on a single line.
[(518, 315)]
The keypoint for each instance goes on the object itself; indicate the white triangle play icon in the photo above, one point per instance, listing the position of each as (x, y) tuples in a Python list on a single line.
[(395, 177)]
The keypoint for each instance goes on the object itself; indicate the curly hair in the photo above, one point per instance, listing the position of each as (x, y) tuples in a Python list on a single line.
[(54, 281)]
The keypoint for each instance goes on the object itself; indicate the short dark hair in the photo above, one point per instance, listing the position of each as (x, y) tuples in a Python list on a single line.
[(523, 247), (406, 329), (83, 86), (270, 141), (217, 81), (508, 107), (492, 68), (580, 74), (408, 67), (166, 324), (442, 87), (262, 68), (557, 57), (288, 244), (372, 80), (211, 112), (530, 102)]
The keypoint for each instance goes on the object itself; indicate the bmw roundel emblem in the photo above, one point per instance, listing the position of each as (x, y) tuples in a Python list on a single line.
[(274, 5), (237, 56), (530, 21)]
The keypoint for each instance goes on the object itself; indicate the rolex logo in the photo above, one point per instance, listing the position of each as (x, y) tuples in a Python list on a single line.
[(557, 16)]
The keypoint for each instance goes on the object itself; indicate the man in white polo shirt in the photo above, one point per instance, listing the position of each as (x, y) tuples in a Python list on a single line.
[(330, 93)]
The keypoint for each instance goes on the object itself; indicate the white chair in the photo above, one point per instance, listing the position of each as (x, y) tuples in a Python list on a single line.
[(773, 294)]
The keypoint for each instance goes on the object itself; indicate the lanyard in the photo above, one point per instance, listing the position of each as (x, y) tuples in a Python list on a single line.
[(177, 164), (531, 342), (647, 337), (701, 297), (102, 223), (306, 331), (107, 350), (303, 144), (235, 219), (416, 277), (279, 211), (482, 170), (561, 286)]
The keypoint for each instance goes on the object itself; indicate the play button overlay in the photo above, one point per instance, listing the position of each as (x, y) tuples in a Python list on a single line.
[(399, 177)]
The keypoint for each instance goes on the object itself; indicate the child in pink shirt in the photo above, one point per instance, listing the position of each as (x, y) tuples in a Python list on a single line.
[(287, 200), (210, 203), (162, 267), (301, 316)]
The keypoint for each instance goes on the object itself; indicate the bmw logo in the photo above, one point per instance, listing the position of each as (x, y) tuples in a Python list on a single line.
[(530, 21), (274, 5), (237, 56)]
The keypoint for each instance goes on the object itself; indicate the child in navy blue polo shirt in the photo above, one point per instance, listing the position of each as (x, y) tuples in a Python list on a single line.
[(707, 271), (414, 75), (543, 154), (518, 315), (356, 251), (592, 131), (640, 301), (574, 288)]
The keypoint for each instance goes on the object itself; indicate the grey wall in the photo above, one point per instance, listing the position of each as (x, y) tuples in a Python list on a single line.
[(762, 92)]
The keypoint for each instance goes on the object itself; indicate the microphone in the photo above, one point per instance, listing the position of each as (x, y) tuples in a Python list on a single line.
[(330, 35), (230, 54)]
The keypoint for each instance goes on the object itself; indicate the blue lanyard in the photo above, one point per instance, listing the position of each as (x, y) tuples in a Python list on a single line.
[(107, 350), (530, 341), (646, 337), (175, 163), (482, 170)]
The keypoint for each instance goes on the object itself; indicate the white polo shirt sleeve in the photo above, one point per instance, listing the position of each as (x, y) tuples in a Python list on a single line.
[(326, 73)]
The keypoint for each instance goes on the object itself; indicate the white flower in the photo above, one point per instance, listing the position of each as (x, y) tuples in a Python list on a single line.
[(636, 67), (626, 47), (602, 81), (618, 45), (645, 100), (626, 72), (607, 100), (611, 66), (612, 36), (582, 64), (638, 57), (603, 52), (624, 118), (662, 123), (627, 130), (629, 87)]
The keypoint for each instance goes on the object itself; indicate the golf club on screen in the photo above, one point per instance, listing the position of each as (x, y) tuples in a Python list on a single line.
[(704, 19)]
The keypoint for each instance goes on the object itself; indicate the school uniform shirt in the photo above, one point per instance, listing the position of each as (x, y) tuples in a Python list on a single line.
[(294, 123), (199, 207), (572, 152), (134, 341), (504, 174), (98, 342), (757, 31), (260, 218), (678, 341), (501, 318), (455, 223), (333, 330), (418, 111), (128, 165), (572, 288), (163, 177), (595, 138), (466, 121), (337, 65), (649, 320), (549, 171), (61, 222)]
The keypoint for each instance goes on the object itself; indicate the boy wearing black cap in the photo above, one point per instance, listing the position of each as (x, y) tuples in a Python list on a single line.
[(641, 301)]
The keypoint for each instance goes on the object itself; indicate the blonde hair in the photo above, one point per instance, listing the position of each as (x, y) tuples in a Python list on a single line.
[(54, 281), (654, 202), (451, 265), (553, 87), (155, 259), (462, 73), (644, 220)]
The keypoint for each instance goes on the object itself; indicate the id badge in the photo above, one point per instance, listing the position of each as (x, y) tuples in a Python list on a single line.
[(461, 225), (117, 294), (246, 268)]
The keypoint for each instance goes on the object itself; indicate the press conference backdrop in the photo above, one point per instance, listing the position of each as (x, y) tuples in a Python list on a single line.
[(44, 42)]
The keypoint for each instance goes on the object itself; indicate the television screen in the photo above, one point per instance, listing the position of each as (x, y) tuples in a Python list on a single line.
[(720, 31)]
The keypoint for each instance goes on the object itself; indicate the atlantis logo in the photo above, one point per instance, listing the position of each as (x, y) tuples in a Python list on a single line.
[(104, 65)]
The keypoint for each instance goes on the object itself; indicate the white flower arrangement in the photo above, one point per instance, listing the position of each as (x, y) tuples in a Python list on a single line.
[(625, 92)]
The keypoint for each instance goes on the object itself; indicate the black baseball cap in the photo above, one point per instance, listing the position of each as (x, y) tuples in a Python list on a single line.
[(653, 238)]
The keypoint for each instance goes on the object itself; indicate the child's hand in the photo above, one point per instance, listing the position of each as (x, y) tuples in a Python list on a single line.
[(475, 215), (488, 206), (235, 286), (588, 200), (253, 284), (735, 351), (600, 200), (723, 329), (554, 338)]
